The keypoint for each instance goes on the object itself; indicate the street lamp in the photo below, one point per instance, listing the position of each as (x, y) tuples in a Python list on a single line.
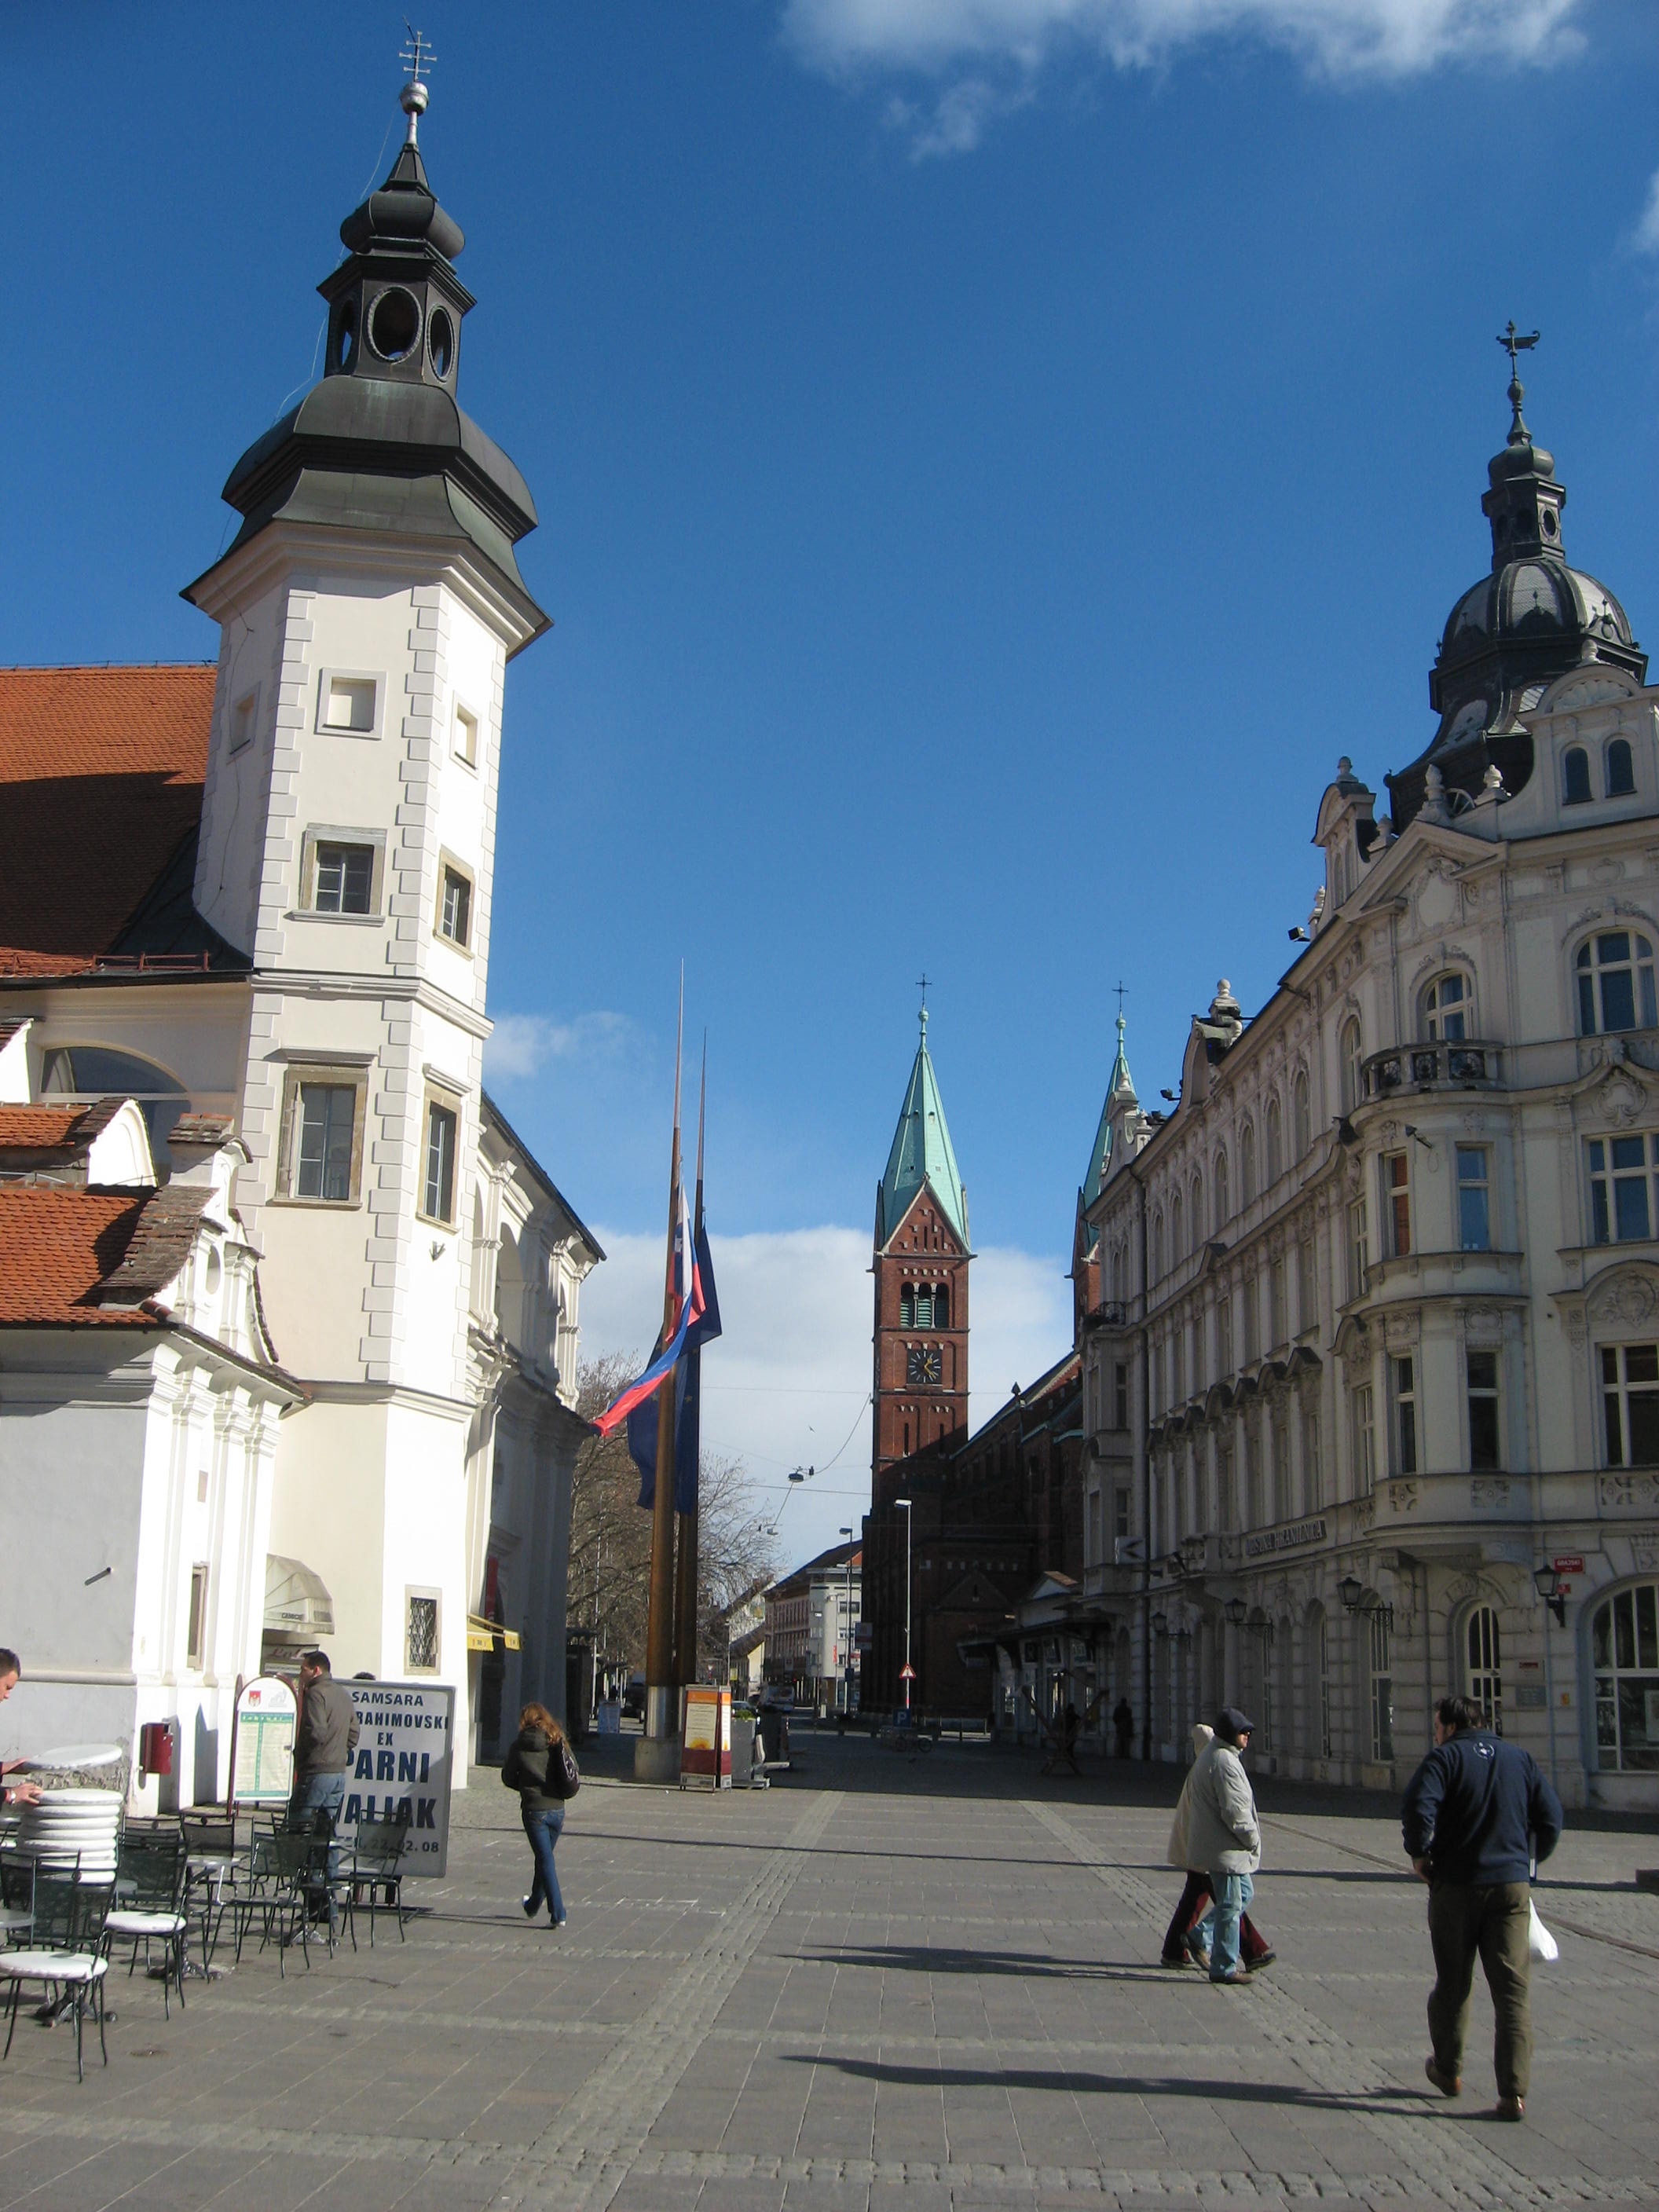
[(1236, 1609), (905, 1504), (1546, 1581), (1351, 1589)]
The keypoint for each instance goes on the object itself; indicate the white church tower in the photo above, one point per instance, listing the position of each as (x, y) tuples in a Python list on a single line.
[(368, 610)]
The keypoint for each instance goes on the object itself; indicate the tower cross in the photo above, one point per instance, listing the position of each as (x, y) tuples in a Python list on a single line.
[(1514, 344)]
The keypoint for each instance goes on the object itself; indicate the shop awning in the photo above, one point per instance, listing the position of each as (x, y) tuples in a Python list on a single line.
[(297, 1603), (481, 1634)]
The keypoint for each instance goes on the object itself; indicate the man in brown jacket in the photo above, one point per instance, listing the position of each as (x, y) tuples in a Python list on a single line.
[(322, 1744)]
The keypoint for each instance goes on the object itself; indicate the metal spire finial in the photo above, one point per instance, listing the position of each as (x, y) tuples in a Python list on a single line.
[(921, 985), (417, 58), (1514, 344)]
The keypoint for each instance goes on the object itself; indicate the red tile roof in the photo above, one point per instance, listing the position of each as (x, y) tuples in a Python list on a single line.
[(57, 1247), (36, 1128), (100, 780)]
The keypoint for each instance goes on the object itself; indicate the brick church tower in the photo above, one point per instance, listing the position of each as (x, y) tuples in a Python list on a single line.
[(920, 1381)]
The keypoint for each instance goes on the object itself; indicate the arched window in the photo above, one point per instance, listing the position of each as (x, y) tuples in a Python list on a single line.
[(1246, 1164), (1621, 769), (924, 1306), (1301, 1130), (1195, 1200), (907, 1305), (1615, 983), (941, 1306), (1220, 1192), (1353, 1072), (1177, 1248), (1275, 1144), (1574, 776), (1625, 1656), (1158, 1246), (1483, 1672), (1447, 1005), (93, 1071)]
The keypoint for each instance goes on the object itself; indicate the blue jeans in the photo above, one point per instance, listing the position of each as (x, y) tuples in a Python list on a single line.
[(1233, 1893), (320, 1793), (543, 1829)]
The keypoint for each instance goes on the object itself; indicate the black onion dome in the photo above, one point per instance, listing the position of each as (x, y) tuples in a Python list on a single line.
[(1509, 636), (404, 212)]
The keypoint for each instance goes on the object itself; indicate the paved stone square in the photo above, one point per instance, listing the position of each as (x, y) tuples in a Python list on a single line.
[(884, 1982)]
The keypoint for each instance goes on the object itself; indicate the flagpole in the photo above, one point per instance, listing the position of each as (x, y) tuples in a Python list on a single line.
[(660, 1718), (685, 1574)]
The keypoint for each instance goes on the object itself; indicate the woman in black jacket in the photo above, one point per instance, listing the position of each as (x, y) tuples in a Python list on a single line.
[(539, 1765)]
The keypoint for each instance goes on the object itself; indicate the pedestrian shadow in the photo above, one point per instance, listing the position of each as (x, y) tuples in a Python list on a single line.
[(1386, 2099), (959, 1959)]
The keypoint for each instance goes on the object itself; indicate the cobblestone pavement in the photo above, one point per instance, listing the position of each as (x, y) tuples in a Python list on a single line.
[(911, 1984)]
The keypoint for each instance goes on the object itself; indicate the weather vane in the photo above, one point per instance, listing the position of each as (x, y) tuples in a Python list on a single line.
[(417, 58), (1514, 344)]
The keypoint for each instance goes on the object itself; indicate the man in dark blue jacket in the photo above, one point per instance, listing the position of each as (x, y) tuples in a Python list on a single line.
[(1477, 1813)]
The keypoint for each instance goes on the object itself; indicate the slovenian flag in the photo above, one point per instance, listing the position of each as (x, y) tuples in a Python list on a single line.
[(689, 1303), (642, 1421)]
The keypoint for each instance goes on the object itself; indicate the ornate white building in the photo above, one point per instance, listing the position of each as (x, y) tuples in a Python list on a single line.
[(264, 891), (1373, 1378)]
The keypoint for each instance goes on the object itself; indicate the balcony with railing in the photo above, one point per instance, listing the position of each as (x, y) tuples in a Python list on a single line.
[(1465, 1064)]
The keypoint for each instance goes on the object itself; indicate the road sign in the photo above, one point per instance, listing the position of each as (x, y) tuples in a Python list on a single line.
[(906, 1673), (1129, 1552)]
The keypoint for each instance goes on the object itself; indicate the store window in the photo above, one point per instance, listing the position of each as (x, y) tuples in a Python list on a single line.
[(1624, 1658), (1483, 1678), (1630, 1403)]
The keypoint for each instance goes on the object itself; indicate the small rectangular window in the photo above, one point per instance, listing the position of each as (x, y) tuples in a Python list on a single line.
[(1364, 1442), (1397, 1203), (1313, 1473), (1405, 1416), (197, 1633), (466, 735), (1358, 1248), (327, 1122), (1120, 1394), (439, 1193), (348, 704), (344, 879), (1480, 1368), (1630, 1400), (1121, 1512), (1624, 1203), (1474, 1200), (455, 907), (1306, 1313), (241, 721), (422, 1646), (1382, 1657)]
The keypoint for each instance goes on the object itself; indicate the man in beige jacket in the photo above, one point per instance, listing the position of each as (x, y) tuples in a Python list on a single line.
[(1224, 1836)]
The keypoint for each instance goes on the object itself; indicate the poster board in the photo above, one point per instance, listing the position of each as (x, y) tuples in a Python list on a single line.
[(262, 1742), (403, 1766), (706, 1745)]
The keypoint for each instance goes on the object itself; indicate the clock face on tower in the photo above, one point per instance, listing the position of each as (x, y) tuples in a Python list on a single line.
[(924, 1364)]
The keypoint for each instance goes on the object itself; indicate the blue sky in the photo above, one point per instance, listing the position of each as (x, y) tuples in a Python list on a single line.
[(992, 460)]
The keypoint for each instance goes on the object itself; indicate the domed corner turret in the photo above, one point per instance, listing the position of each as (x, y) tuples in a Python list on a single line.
[(1530, 620)]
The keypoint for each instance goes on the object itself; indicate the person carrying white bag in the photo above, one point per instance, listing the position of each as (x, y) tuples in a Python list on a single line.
[(1478, 1814)]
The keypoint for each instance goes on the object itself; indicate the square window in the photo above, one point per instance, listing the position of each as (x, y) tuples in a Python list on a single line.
[(422, 1643), (455, 907), (348, 704), (466, 735), (344, 879), (438, 1188), (327, 1124)]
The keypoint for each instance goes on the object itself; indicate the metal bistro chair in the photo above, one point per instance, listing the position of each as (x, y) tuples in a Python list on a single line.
[(377, 1863), (210, 1862), (150, 1875), (16, 1894), (65, 1953), (282, 1871)]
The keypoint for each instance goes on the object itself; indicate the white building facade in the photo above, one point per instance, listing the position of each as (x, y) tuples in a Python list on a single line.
[(1374, 1374)]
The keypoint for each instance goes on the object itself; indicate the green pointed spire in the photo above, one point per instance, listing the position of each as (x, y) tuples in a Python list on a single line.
[(922, 1154), (1118, 1084)]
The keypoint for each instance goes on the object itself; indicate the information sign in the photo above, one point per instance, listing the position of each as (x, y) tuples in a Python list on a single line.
[(706, 1747), (262, 1742), (403, 1768), (1569, 1563)]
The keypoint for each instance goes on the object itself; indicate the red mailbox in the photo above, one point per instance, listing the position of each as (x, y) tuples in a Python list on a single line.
[(154, 1749)]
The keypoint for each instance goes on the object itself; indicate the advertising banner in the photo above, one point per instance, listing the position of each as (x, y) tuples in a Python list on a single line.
[(706, 1750), (262, 1745), (403, 1769)]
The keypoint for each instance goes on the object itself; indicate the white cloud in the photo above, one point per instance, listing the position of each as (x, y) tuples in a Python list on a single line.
[(786, 1385), (522, 1044), (1647, 231), (992, 50)]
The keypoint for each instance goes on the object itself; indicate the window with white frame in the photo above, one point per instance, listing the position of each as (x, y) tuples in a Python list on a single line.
[(1483, 1671), (466, 735), (1403, 1382), (1447, 1006), (1364, 1442), (1481, 1371), (1630, 1403), (1615, 983), (1358, 1248), (348, 704), (1474, 1198), (423, 1627), (320, 1156), (1382, 1657), (1624, 1658), (344, 879), (438, 1166), (1397, 1203), (1623, 1190), (454, 921), (1353, 1066)]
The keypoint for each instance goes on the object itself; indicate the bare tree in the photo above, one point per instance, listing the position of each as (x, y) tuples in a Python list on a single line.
[(610, 1575)]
